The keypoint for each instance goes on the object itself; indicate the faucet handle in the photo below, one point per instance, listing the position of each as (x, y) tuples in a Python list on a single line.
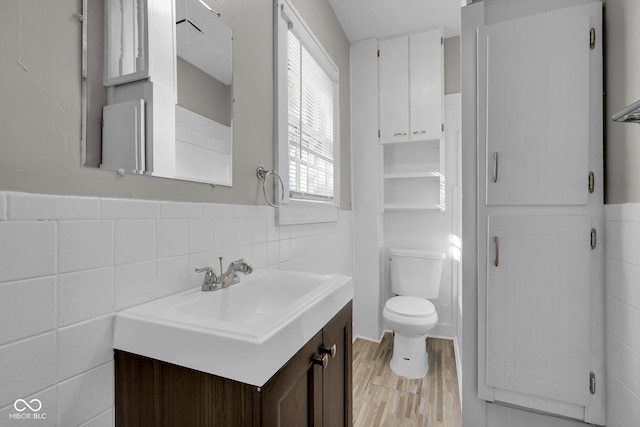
[(209, 275)]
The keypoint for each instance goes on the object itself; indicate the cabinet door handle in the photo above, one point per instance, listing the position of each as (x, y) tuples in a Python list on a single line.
[(495, 167), (400, 134), (419, 132), (331, 351), (496, 261), (321, 360)]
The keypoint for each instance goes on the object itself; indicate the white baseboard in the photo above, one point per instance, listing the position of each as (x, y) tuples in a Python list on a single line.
[(377, 341)]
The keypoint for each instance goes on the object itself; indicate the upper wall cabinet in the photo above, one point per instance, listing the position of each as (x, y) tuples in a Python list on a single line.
[(411, 88)]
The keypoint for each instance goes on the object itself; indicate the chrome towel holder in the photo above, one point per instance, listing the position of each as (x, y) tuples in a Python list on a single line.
[(262, 175)]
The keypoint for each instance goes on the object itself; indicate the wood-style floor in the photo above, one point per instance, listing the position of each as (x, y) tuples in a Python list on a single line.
[(381, 398)]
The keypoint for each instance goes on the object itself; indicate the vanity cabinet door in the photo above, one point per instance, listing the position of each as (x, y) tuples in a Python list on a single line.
[(293, 397), (304, 393), (336, 384)]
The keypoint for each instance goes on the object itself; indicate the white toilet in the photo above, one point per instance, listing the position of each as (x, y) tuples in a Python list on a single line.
[(415, 278)]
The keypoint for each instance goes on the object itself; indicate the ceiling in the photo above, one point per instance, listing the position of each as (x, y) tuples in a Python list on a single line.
[(362, 19)]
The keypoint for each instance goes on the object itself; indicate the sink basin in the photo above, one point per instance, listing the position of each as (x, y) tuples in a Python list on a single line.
[(245, 332)]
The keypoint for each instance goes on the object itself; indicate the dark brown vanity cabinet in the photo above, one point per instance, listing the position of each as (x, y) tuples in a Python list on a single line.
[(312, 389)]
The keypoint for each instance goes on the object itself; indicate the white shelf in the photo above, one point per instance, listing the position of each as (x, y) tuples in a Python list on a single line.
[(407, 175), (428, 142), (409, 207)]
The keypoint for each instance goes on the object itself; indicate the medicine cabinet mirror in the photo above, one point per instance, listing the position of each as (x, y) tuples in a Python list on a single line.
[(158, 89)]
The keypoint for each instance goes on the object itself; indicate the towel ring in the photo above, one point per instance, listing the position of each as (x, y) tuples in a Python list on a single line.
[(263, 174)]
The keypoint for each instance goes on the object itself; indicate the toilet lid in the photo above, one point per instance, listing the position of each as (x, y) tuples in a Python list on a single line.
[(410, 307)]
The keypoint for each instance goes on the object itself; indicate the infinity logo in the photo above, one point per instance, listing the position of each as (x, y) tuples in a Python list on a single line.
[(24, 405)]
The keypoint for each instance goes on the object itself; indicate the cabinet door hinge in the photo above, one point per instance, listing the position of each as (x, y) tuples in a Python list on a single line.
[(593, 238), (592, 382), (592, 182), (592, 38)]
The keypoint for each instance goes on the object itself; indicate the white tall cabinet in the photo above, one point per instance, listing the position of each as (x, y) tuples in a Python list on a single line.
[(540, 207), (398, 161), (411, 121)]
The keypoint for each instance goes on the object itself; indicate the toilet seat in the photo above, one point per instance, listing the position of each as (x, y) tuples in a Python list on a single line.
[(411, 307)]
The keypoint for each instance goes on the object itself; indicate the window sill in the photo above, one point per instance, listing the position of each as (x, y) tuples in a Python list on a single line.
[(307, 212)]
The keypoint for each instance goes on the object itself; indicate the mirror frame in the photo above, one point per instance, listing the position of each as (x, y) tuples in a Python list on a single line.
[(86, 144)]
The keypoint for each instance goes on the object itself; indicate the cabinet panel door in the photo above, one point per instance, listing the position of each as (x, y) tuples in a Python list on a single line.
[(293, 397), (425, 85), (538, 306), (533, 84), (337, 389), (394, 89)]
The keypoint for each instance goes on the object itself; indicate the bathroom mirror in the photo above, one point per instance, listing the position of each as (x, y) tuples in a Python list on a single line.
[(158, 89)]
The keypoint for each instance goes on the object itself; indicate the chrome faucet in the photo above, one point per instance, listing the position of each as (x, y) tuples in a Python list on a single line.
[(230, 276), (212, 282)]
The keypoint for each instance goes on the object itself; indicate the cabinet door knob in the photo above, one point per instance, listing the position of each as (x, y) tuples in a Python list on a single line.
[(331, 351), (321, 360), (400, 134), (419, 132)]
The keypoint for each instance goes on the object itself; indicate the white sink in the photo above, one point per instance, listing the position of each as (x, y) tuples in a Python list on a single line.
[(245, 332)]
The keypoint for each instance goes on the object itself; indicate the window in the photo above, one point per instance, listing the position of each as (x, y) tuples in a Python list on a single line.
[(308, 125)]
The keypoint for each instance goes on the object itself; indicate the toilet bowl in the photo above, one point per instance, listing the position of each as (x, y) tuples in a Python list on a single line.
[(411, 319), (415, 277)]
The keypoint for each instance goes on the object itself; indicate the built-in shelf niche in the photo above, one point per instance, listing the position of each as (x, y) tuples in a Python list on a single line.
[(413, 176)]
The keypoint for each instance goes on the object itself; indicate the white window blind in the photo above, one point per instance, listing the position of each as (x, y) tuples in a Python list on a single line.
[(310, 125)]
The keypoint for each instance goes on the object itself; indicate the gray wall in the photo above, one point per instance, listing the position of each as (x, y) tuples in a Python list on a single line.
[(203, 94), (40, 106), (622, 87), (452, 65)]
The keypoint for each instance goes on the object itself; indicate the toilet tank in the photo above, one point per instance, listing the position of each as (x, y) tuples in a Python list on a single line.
[(416, 273)]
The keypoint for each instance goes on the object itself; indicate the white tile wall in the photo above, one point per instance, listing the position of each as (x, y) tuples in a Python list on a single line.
[(27, 366), (134, 241), (84, 295), (17, 303), (83, 245), (84, 346), (622, 309), (173, 237), (84, 396), (68, 263), (28, 249), (134, 284)]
